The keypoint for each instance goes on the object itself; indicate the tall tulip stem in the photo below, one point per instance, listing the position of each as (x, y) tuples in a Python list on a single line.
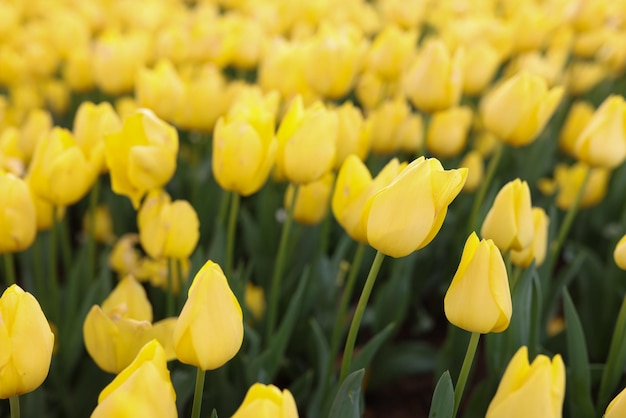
[(9, 269), (197, 394), (358, 315), (230, 237), (484, 186), (14, 403), (54, 280), (91, 241), (171, 274), (280, 266), (465, 369)]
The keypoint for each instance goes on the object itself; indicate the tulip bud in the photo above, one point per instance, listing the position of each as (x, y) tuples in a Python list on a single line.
[(209, 330), (161, 90), (578, 117), (582, 76), (144, 388), (518, 109), (479, 298), (267, 401), (26, 340), (568, 181), (530, 390), (103, 224), (447, 131), (619, 255), (254, 299), (538, 247), (475, 165), (37, 125), (91, 123), (509, 222), (399, 221), (386, 120), (390, 52), (617, 407), (17, 214), (370, 90), (306, 142), (77, 70), (124, 258), (411, 134), (479, 66), (603, 141), (11, 156), (142, 156), (312, 200), (203, 98), (354, 134)]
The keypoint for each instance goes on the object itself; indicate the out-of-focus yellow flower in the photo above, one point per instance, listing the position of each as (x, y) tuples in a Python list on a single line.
[(538, 248), (603, 141), (77, 70), (11, 156), (312, 200), (353, 189), (578, 117), (479, 298), (254, 298), (167, 229), (37, 124), (530, 390), (26, 341), (531, 25), (518, 109), (91, 123), (370, 90), (480, 64), (569, 179), (103, 229), (475, 165), (485, 143), (209, 330), (56, 94), (157, 273), (406, 13), (307, 142), (143, 388), (448, 130), (391, 51), (267, 401), (509, 222), (582, 76), (247, 37), (411, 133), (617, 407), (354, 135), (386, 120), (619, 255), (244, 145), (202, 99), (124, 258), (398, 222), (435, 79), (142, 156), (116, 332), (60, 171), (161, 90)]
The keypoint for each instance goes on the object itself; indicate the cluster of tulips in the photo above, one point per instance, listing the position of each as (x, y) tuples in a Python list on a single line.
[(182, 184)]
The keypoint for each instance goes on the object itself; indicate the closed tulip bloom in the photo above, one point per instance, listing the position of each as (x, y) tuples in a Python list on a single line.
[(569, 179), (354, 134), (267, 401), (60, 171), (481, 62), (11, 156), (160, 89), (603, 141), (411, 133), (209, 330), (307, 141), (203, 97), (144, 388), (36, 126), (530, 390), (391, 51), (447, 131), (142, 156), (386, 121), (539, 246), (509, 222), (91, 123), (18, 225), (254, 299), (479, 298), (26, 341), (578, 117), (166, 228), (407, 214), (517, 110), (435, 80), (619, 255), (475, 165), (617, 407), (312, 200)]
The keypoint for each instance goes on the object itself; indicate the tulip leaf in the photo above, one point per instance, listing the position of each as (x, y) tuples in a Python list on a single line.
[(214, 414), (442, 405), (367, 353), (579, 379), (616, 360), (347, 403)]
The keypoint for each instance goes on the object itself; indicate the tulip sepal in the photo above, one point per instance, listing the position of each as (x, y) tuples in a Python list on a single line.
[(465, 369)]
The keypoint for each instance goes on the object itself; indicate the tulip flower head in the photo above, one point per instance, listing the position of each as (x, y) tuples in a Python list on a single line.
[(91, 123), (312, 200), (479, 298), (475, 165), (27, 342), (267, 401), (537, 249), (619, 254), (17, 214), (569, 179), (617, 407)]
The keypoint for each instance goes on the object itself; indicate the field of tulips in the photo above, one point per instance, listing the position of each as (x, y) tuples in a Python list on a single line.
[(289, 208)]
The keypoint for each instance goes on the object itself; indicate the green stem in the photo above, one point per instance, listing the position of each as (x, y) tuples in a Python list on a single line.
[(280, 266), (39, 282), (358, 315), (170, 302), (515, 278), (230, 237), (54, 281), (197, 394), (91, 241), (221, 216), (465, 369), (66, 247), (14, 403), (614, 361), (484, 186), (9, 268)]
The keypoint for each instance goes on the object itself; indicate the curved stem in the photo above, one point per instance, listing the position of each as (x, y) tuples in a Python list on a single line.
[(465, 369), (14, 403), (280, 266), (9, 269), (230, 237), (358, 315), (484, 186), (197, 394)]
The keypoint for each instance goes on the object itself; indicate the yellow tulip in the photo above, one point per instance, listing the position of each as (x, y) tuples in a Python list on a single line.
[(91, 123), (312, 200), (77, 70), (578, 117), (391, 51), (11, 156), (103, 224), (124, 258), (619, 254), (267, 401), (407, 214), (254, 299), (475, 165), (354, 134), (617, 407), (353, 189), (568, 181), (530, 390), (161, 90), (203, 99), (479, 298), (539, 246), (209, 330), (603, 141), (517, 110), (36, 126), (370, 90), (144, 388), (142, 156), (307, 141), (582, 76), (386, 121), (115, 332), (509, 222), (18, 225), (411, 133), (481, 62), (26, 341), (448, 130)]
